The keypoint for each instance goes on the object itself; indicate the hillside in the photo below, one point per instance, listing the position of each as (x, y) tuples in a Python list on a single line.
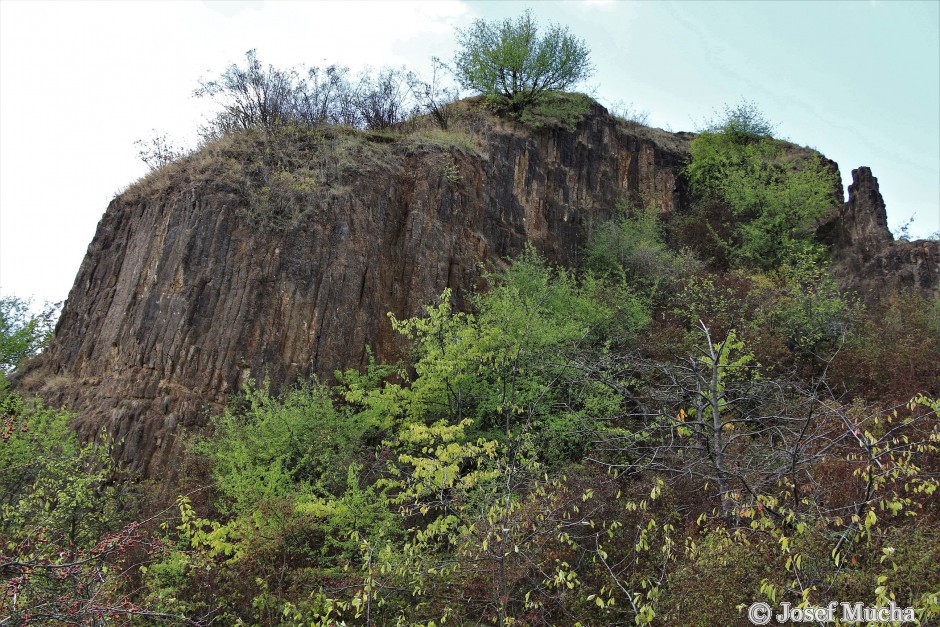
[(212, 270), (553, 368), (188, 288)]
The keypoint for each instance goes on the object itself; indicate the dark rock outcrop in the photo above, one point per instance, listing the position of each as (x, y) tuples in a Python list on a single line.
[(180, 298), (870, 261)]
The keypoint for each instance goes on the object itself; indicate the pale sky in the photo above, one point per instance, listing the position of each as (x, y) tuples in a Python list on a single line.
[(81, 81)]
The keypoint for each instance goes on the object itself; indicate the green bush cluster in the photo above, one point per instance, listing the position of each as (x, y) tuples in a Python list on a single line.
[(591, 446), (773, 195), (66, 519), (22, 334)]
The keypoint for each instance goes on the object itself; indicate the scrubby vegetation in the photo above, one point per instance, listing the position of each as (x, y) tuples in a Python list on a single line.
[(288, 136), (695, 419), (22, 334)]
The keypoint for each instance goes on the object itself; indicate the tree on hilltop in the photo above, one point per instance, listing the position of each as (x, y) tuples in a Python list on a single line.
[(511, 61)]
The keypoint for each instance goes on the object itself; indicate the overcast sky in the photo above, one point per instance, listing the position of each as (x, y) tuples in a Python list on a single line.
[(81, 81)]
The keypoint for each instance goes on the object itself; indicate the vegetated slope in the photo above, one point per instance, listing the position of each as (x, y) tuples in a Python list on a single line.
[(694, 417), (281, 256)]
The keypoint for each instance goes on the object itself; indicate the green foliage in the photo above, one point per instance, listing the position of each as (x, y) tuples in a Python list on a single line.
[(294, 495), (631, 248), (360, 514), (513, 62), (505, 365), (273, 449), (775, 198), (22, 334), (65, 520), (49, 481), (742, 123), (537, 463), (497, 398), (32, 436), (811, 312)]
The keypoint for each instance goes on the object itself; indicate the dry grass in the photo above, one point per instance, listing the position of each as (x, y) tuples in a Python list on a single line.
[(275, 177)]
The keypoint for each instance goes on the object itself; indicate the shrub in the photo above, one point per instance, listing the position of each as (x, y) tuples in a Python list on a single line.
[(632, 247), (742, 122), (270, 449), (511, 62), (774, 196), (65, 511), (22, 334), (268, 98), (435, 97), (556, 109)]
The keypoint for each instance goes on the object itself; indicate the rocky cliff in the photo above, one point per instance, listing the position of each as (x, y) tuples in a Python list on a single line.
[(189, 287), (869, 260), (183, 294)]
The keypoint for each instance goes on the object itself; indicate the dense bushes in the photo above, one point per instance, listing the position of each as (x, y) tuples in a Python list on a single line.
[(540, 472), (68, 544), (594, 447), (773, 195), (22, 334)]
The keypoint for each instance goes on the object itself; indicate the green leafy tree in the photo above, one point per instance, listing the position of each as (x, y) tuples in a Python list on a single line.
[(22, 334), (513, 62)]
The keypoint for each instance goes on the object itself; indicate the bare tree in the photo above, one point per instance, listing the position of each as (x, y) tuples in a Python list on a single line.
[(252, 96), (256, 96), (159, 150), (716, 418), (382, 101), (319, 97), (437, 96)]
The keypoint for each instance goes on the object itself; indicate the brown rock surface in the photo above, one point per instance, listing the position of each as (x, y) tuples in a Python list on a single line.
[(181, 297), (871, 262)]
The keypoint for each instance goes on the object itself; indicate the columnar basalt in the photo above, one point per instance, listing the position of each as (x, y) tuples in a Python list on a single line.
[(181, 297)]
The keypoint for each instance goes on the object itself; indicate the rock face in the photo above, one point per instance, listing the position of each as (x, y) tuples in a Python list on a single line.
[(864, 218), (180, 298), (183, 295), (871, 262)]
